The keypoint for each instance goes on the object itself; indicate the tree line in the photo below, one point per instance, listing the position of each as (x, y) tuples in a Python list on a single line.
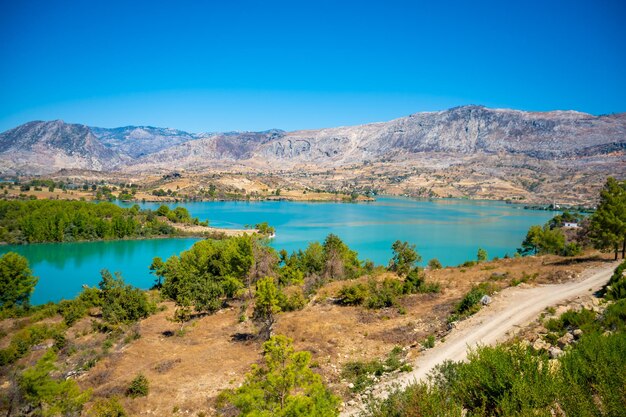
[(68, 221)]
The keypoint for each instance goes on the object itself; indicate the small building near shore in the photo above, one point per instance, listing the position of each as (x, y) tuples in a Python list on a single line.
[(571, 225)]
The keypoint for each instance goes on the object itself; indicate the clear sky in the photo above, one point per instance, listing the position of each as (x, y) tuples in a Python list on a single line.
[(254, 65)]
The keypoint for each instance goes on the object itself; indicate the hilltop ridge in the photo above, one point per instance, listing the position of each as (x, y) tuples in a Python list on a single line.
[(498, 143)]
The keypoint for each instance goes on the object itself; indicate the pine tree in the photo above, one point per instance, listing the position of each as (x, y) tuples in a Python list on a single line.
[(16, 280), (284, 386), (608, 223)]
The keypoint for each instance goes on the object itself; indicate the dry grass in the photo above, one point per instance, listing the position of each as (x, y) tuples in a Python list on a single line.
[(188, 371)]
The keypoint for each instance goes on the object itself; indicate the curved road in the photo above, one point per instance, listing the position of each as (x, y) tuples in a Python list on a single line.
[(513, 307)]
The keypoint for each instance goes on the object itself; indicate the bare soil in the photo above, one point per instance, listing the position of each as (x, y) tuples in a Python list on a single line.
[(187, 372)]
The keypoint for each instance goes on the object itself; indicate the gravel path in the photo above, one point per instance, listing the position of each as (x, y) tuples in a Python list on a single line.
[(513, 307)]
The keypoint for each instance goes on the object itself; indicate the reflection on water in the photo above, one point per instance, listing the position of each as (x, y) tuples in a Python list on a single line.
[(63, 268), (450, 230)]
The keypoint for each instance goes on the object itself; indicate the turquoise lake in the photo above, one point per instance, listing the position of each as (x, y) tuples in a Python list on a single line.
[(450, 230)]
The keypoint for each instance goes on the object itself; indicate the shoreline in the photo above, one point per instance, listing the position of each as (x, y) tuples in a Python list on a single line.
[(214, 232)]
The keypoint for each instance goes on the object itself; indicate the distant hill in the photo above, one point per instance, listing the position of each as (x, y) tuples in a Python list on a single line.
[(468, 136)]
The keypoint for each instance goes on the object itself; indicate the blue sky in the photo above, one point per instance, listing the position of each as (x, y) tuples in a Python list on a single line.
[(254, 65)]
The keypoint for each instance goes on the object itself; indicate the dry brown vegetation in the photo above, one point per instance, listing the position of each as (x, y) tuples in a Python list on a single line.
[(187, 371)]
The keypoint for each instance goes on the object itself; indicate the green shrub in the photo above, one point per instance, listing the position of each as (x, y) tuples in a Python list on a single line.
[(594, 376), (352, 295), (138, 387), (571, 319), (614, 317), (418, 400), (430, 288), (293, 301), (24, 339), (413, 281), (470, 303), (618, 273), (429, 343), (107, 407), (384, 294), (122, 303), (72, 311), (48, 396), (361, 373), (434, 264)]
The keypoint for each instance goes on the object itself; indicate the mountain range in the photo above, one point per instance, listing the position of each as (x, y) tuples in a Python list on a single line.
[(463, 135)]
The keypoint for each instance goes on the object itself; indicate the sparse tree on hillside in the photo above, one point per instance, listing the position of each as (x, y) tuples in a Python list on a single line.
[(608, 223), (16, 280), (266, 306), (481, 255), (265, 262), (157, 268), (48, 396), (530, 245), (207, 274), (434, 264), (122, 303), (404, 257), (284, 386)]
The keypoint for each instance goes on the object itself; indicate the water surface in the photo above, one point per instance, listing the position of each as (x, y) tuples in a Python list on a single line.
[(450, 230)]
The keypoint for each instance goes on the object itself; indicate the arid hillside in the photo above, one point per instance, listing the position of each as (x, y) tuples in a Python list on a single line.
[(468, 151)]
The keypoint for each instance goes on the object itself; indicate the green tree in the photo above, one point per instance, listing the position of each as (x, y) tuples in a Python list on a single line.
[(284, 386), (139, 387), (404, 259), (163, 210), (122, 303), (434, 264), (16, 280), (208, 273), (608, 223), (265, 229), (481, 255), (339, 260), (266, 306), (544, 240), (313, 259), (157, 267), (552, 241), (530, 245), (179, 215), (49, 396)]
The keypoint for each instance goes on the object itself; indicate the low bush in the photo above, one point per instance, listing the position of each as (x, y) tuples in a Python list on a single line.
[(429, 343), (352, 295), (107, 407), (25, 339), (47, 396), (138, 387), (362, 373), (292, 301), (434, 264), (583, 319), (470, 303), (384, 294), (413, 281), (72, 311)]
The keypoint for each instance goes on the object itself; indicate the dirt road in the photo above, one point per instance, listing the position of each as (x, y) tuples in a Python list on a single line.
[(513, 307)]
